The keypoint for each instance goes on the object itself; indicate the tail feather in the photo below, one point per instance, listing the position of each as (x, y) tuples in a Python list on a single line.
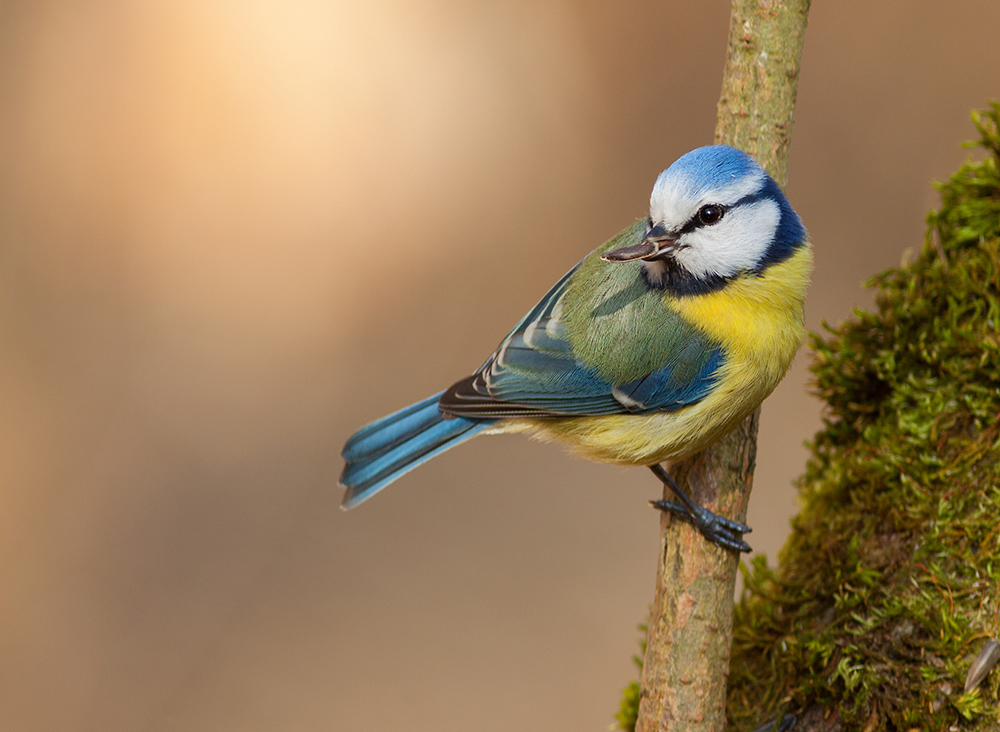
[(384, 450), (383, 434)]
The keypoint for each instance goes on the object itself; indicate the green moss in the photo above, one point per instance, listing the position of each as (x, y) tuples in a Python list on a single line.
[(890, 581), (629, 711)]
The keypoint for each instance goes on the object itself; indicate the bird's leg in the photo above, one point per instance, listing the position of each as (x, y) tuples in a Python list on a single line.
[(719, 530)]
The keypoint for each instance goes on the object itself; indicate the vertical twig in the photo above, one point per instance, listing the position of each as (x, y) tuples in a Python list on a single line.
[(684, 673)]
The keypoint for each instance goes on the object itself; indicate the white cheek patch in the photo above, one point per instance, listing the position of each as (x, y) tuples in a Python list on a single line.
[(736, 244)]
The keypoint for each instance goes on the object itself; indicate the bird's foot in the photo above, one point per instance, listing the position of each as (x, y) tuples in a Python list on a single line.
[(719, 530)]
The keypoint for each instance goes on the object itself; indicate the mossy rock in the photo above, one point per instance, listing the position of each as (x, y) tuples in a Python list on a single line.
[(890, 582)]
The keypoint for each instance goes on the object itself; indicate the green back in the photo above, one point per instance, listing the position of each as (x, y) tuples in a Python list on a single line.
[(619, 325)]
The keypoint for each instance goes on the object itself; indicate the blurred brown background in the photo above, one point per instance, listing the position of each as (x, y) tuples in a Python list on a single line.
[(231, 233)]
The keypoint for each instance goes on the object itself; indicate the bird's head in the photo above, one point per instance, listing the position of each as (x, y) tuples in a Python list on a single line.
[(714, 215)]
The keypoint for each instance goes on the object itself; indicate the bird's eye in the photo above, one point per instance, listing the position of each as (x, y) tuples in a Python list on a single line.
[(710, 214)]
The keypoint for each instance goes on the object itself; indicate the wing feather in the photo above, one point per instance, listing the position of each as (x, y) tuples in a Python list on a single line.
[(536, 371)]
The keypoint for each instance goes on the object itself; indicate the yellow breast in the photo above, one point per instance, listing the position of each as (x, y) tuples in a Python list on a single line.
[(757, 318), (759, 322)]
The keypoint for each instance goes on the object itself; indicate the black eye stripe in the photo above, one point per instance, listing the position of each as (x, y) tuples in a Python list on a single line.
[(695, 223)]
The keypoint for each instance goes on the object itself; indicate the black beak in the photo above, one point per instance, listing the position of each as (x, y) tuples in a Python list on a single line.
[(656, 244)]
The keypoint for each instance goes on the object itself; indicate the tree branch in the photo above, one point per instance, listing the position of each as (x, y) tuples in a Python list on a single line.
[(684, 673)]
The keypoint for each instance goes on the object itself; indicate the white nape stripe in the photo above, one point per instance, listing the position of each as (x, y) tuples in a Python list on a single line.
[(675, 200)]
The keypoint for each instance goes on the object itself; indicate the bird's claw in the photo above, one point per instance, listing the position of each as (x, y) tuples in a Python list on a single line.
[(719, 530)]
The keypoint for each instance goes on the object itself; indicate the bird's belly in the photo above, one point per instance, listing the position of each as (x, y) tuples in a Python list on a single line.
[(644, 439), (761, 326)]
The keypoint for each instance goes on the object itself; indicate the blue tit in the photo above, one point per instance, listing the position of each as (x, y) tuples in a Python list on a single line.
[(654, 346)]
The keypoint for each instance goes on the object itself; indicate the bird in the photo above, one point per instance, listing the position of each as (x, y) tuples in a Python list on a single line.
[(651, 348)]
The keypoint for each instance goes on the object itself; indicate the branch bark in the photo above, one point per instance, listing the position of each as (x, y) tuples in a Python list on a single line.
[(683, 685)]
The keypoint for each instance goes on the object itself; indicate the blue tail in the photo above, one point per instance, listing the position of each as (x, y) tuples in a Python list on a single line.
[(386, 449)]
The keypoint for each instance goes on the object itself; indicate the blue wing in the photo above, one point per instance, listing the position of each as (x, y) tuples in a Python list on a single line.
[(537, 372), (598, 343)]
